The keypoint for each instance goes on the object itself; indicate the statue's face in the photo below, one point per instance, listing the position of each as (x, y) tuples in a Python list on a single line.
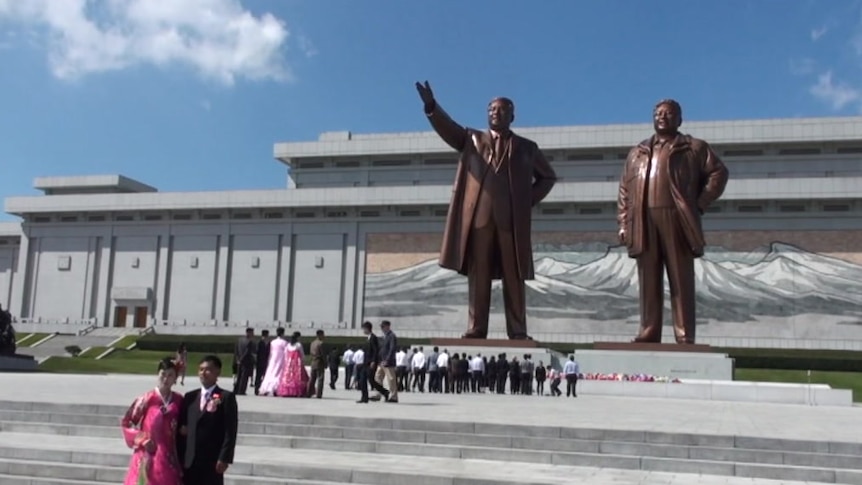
[(500, 115), (666, 120)]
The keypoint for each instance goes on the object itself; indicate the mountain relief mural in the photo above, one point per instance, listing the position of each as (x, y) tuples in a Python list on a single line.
[(593, 286)]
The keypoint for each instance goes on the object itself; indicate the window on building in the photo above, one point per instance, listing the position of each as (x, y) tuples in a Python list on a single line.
[(743, 153), (441, 212), (389, 163), (583, 157), (182, 217), (41, 219), (410, 213), (441, 161), (347, 164), (305, 215), (588, 211), (242, 215), (848, 150), (69, 219), (153, 217), (799, 151), (369, 214), (273, 215), (750, 208), (713, 209), (336, 214), (836, 207), (211, 217), (791, 208), (305, 165), (553, 211), (96, 218), (124, 218)]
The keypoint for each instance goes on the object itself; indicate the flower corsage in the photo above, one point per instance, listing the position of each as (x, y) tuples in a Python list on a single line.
[(214, 403)]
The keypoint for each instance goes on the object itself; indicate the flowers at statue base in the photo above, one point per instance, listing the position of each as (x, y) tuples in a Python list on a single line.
[(627, 378)]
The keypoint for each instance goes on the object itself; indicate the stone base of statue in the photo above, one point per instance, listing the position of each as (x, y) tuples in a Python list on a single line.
[(674, 361), (494, 347), (18, 363)]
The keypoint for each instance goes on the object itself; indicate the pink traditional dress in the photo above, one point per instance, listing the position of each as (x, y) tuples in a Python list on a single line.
[(269, 385), (151, 418), (294, 377)]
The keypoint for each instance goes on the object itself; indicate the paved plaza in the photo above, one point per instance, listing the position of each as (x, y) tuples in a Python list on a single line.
[(624, 413), (477, 411)]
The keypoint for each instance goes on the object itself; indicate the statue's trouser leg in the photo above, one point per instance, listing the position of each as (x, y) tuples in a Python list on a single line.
[(679, 262), (514, 289), (479, 273), (666, 247)]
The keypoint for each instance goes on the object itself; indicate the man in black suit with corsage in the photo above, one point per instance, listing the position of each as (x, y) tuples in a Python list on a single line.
[(208, 426)]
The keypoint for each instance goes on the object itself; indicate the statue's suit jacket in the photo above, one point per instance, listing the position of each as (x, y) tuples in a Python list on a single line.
[(697, 178), (530, 180)]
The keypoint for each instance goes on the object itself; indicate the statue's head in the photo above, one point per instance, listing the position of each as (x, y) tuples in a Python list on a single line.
[(667, 117), (501, 114)]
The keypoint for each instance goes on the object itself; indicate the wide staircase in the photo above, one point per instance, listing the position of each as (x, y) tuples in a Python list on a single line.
[(56, 444)]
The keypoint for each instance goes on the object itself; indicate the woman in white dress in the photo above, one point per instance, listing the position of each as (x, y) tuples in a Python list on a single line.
[(276, 364)]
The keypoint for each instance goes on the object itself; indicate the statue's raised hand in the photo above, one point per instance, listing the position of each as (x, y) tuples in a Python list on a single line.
[(426, 94)]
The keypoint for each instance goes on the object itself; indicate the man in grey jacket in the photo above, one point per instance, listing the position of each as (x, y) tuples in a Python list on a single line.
[(433, 371), (386, 369)]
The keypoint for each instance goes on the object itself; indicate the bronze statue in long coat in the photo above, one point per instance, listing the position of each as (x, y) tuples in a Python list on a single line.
[(500, 178), (668, 182)]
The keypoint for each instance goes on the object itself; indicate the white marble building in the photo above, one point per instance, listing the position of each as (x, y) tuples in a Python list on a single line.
[(360, 210)]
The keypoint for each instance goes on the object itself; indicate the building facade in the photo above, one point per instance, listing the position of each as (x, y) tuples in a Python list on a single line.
[(355, 236)]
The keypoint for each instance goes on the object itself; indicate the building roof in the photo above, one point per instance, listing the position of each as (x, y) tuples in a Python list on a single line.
[(576, 192), (10, 229), (90, 184), (736, 132)]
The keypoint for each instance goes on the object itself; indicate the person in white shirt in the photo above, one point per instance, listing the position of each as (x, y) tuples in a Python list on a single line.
[(358, 359), (554, 378), (443, 369), (349, 366), (401, 369), (477, 370), (419, 368), (571, 370)]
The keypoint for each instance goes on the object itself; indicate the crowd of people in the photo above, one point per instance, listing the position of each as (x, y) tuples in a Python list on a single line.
[(440, 372)]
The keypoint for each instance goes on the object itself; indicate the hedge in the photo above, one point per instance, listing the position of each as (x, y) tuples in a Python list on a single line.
[(746, 358), (225, 343)]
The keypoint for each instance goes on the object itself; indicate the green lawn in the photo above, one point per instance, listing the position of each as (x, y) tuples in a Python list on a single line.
[(92, 352), (838, 380), (124, 362), (29, 339), (126, 341)]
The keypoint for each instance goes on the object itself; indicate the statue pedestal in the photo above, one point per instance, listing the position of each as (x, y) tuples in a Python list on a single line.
[(494, 347), (659, 360), (18, 363)]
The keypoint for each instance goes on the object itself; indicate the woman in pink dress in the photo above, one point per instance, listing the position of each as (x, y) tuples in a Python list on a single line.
[(294, 378), (150, 427)]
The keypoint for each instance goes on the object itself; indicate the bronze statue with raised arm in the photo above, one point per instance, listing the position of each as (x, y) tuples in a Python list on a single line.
[(500, 178), (668, 182)]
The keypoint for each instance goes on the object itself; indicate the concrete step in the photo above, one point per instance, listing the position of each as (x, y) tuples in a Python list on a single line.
[(572, 452), (421, 431)]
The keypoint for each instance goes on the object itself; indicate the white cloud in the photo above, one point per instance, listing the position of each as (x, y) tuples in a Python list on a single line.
[(219, 39), (816, 34), (307, 47), (838, 94)]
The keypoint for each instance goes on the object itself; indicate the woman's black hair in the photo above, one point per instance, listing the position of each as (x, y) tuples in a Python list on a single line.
[(167, 364)]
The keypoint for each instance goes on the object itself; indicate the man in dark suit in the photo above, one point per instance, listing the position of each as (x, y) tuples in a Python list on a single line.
[(262, 359), (208, 424), (318, 366), (386, 369), (500, 178), (371, 358), (243, 362)]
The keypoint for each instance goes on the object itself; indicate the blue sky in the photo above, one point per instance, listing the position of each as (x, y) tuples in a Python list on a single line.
[(191, 95)]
